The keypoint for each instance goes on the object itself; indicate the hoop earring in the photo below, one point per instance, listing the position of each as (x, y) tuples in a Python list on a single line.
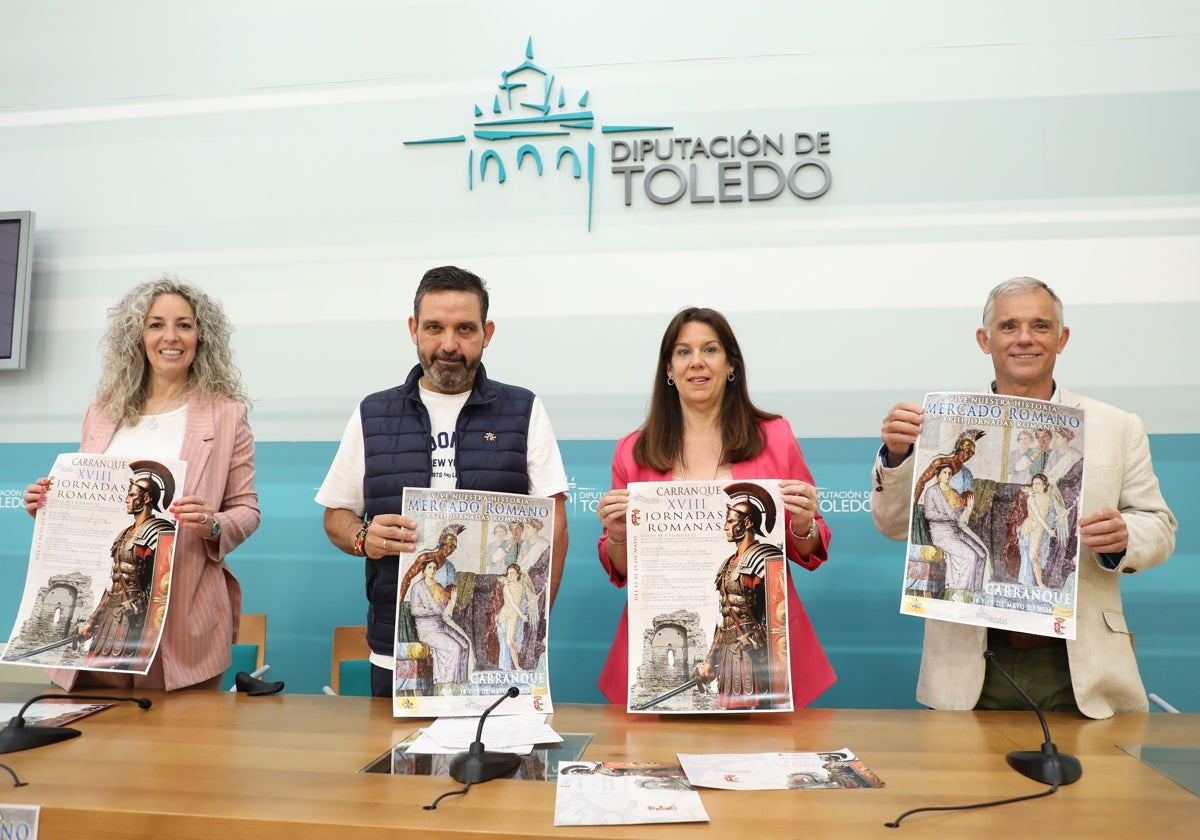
[(670, 381), (731, 377)]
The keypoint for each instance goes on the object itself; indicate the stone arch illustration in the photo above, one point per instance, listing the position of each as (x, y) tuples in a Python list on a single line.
[(671, 647), (60, 608)]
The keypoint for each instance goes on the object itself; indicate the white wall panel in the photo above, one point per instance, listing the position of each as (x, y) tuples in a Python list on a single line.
[(257, 150)]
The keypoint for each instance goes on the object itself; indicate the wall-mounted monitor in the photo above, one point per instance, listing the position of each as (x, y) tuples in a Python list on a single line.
[(16, 269)]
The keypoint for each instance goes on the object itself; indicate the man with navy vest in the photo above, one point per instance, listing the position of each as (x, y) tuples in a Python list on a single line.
[(1125, 527), (447, 427)]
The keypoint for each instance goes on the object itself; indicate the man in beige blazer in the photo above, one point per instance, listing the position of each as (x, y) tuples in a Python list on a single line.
[(1124, 525)]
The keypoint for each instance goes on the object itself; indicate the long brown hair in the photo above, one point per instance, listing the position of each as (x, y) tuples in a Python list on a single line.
[(661, 442)]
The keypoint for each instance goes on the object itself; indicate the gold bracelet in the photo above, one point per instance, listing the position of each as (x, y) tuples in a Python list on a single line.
[(616, 541), (812, 531)]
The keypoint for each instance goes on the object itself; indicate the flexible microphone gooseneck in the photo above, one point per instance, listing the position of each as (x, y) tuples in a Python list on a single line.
[(477, 764), (1048, 765), (17, 736), (16, 779)]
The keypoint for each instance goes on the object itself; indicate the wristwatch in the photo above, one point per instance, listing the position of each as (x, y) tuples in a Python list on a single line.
[(215, 531)]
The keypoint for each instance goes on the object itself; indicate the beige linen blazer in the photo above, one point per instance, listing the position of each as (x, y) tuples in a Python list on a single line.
[(1104, 673)]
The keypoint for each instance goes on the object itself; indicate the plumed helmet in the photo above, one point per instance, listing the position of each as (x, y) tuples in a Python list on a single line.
[(159, 481), (754, 502)]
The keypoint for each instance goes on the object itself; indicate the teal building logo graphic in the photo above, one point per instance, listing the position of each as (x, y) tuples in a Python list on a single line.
[(531, 111), (533, 123)]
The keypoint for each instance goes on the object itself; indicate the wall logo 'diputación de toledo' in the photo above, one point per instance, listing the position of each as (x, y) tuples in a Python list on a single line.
[(531, 112)]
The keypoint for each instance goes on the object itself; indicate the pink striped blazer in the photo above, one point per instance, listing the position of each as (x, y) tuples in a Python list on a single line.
[(206, 599)]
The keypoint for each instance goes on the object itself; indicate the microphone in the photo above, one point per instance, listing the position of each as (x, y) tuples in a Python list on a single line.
[(477, 764), (1048, 765), (16, 736)]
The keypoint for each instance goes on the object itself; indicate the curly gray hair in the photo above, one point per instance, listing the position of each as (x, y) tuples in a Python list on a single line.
[(125, 371)]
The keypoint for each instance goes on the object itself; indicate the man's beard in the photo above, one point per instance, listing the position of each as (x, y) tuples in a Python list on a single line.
[(453, 380)]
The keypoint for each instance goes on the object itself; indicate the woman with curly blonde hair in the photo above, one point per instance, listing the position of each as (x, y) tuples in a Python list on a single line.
[(169, 390), (126, 377)]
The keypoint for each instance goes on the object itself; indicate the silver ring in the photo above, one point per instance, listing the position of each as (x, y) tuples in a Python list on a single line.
[(204, 519)]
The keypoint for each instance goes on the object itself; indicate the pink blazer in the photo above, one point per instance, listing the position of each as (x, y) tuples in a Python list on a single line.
[(206, 599), (781, 458)]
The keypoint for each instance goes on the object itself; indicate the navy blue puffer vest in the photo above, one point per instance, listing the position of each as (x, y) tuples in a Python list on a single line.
[(492, 437)]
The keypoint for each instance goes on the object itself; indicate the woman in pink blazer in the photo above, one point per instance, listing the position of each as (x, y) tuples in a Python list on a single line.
[(169, 390), (702, 426)]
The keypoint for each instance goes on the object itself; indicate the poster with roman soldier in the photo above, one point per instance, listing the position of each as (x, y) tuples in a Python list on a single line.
[(707, 590), (473, 605), (994, 528), (99, 577)]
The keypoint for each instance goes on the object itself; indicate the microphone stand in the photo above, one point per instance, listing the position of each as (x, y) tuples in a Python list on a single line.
[(1047, 765), (251, 684), (17, 736), (479, 765)]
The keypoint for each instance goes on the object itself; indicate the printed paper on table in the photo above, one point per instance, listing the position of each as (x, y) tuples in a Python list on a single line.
[(50, 713), (472, 614), (778, 771), (994, 524), (624, 793)]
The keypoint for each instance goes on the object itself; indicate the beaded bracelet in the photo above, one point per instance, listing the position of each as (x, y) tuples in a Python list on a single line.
[(361, 539)]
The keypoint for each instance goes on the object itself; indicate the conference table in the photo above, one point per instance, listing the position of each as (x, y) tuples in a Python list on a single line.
[(217, 764)]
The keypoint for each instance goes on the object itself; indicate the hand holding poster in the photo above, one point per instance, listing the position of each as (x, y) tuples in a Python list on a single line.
[(473, 608), (994, 528), (707, 597), (99, 575)]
